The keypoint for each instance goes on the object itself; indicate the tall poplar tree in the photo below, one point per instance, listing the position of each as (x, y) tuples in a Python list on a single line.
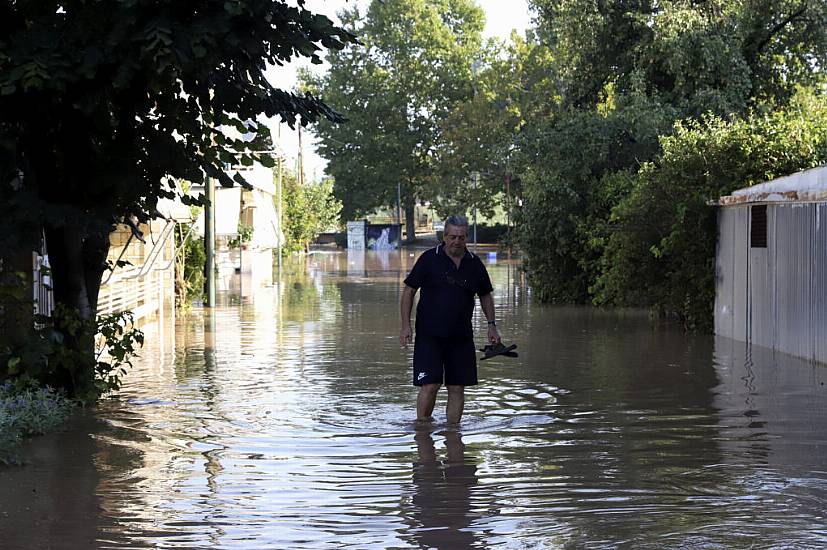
[(413, 64)]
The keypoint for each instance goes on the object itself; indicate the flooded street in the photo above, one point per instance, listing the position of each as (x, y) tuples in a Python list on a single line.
[(285, 421)]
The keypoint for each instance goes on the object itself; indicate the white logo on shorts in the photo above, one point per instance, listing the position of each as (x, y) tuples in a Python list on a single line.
[(421, 376)]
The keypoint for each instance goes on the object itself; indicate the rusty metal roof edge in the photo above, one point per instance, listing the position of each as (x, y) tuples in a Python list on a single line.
[(784, 197), (805, 186)]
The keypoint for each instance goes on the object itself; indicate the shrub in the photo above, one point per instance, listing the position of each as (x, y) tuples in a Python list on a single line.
[(661, 250), (26, 410), (86, 370)]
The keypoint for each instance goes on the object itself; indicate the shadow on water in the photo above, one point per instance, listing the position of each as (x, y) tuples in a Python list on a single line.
[(285, 421)]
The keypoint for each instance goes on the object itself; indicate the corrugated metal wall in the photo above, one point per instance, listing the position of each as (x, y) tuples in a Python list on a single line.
[(776, 296), (818, 312), (731, 276), (793, 243), (724, 271)]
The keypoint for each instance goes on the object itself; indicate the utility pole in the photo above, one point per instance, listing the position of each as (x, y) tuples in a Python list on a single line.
[(475, 176), (279, 188), (301, 159), (399, 210), (209, 241)]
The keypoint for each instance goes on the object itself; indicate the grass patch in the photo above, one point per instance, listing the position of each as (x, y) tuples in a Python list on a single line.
[(28, 411)]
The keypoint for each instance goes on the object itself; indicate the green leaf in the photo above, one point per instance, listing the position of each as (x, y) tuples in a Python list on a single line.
[(12, 365)]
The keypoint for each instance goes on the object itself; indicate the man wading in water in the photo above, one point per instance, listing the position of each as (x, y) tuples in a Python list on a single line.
[(449, 276)]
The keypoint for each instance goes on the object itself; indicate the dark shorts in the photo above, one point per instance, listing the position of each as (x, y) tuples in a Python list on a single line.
[(450, 361)]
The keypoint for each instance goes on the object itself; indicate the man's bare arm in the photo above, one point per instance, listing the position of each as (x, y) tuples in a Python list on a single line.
[(487, 303), (405, 307)]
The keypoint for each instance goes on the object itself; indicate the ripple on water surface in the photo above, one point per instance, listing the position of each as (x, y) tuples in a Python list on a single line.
[(286, 422)]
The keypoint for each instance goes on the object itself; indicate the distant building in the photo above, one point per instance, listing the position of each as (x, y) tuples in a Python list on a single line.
[(771, 265), (244, 266)]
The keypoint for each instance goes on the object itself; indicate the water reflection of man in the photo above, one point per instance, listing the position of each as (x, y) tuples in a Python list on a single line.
[(449, 276), (442, 493)]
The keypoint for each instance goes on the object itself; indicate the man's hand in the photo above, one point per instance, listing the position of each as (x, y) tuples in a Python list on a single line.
[(493, 335), (405, 336)]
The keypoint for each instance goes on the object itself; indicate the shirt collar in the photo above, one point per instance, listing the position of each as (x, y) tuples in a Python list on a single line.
[(441, 246)]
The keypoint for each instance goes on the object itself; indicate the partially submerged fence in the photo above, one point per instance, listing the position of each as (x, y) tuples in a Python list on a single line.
[(145, 286)]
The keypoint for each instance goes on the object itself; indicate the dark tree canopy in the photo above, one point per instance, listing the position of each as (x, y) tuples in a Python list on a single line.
[(103, 106), (103, 103)]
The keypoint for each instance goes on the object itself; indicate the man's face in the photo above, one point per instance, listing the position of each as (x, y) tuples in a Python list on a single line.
[(455, 239)]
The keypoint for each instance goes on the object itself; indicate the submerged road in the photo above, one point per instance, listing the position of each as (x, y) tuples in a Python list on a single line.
[(284, 420)]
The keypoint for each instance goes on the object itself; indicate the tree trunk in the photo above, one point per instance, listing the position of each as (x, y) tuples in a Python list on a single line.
[(78, 260), (410, 222), (16, 306), (65, 247)]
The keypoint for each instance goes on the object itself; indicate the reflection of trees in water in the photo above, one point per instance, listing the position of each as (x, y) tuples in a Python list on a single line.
[(637, 424), (439, 511), (306, 296), (69, 497)]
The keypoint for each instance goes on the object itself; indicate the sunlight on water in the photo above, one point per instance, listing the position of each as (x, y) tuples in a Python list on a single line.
[(286, 422)]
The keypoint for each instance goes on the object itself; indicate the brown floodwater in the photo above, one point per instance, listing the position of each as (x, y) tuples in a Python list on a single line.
[(284, 420)]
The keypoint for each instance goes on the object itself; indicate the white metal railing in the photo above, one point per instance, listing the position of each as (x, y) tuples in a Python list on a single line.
[(137, 288), (140, 294), (44, 301)]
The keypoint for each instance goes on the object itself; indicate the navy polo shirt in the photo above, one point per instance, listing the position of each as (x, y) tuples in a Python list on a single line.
[(446, 302)]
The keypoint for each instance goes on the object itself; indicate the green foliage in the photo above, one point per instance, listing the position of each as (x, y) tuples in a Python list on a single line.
[(12, 286), (661, 252), (308, 211), (245, 235), (596, 231), (660, 107), (569, 191), (120, 343), (60, 352), (105, 105), (28, 410), (103, 108), (189, 265), (712, 56), (481, 133), (412, 66)]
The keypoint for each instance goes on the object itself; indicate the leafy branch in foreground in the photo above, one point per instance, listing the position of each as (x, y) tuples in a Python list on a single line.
[(54, 354)]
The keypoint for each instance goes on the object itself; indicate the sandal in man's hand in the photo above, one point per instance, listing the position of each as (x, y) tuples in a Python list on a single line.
[(492, 350)]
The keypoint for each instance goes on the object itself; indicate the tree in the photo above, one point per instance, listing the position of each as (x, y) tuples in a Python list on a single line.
[(699, 56), (309, 210), (572, 168), (661, 252), (412, 67), (629, 75), (104, 105), (481, 133)]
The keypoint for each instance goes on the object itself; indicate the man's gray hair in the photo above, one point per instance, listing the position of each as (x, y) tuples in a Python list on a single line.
[(457, 220)]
